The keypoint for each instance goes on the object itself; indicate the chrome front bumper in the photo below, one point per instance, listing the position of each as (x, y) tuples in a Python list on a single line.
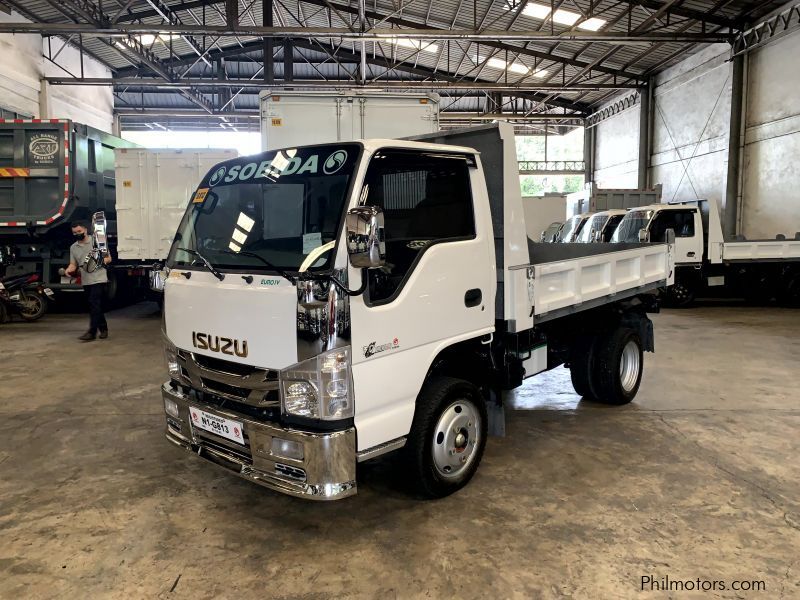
[(326, 472)]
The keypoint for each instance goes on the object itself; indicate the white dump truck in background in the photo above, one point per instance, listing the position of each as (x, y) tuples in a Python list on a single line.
[(154, 186), (705, 261), (327, 304), (299, 118)]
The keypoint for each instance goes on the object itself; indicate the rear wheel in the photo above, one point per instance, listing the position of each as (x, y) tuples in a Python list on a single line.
[(447, 437), (581, 367), (32, 306), (618, 366)]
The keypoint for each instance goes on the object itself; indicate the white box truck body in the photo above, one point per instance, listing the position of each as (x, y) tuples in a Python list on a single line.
[(154, 187), (290, 119)]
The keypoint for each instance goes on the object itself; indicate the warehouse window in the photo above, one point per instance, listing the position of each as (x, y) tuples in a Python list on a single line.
[(426, 200)]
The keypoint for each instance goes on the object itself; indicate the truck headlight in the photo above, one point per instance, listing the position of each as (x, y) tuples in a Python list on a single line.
[(319, 388), (171, 356)]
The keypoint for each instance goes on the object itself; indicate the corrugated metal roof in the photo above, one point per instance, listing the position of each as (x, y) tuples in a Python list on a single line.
[(554, 62)]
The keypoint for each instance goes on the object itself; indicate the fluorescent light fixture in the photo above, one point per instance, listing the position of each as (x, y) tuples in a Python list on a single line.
[(414, 44), (593, 24), (560, 16)]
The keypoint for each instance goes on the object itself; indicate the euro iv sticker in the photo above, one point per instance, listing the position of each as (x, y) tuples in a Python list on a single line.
[(200, 195)]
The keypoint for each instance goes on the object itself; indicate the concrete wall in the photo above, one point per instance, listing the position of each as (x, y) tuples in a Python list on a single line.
[(690, 129), (770, 175), (691, 118), (617, 150), (22, 68)]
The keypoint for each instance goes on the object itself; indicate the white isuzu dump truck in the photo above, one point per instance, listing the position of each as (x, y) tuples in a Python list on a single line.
[(705, 261), (328, 304)]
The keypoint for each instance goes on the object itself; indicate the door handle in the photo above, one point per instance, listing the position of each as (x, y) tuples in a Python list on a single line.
[(473, 297), (690, 254)]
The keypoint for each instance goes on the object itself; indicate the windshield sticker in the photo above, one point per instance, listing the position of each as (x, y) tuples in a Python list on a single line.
[(284, 163), (217, 176), (311, 241), (335, 162), (200, 195)]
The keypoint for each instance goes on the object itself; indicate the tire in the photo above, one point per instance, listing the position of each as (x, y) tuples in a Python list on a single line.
[(448, 436), (790, 294), (581, 367), (34, 306), (618, 366), (681, 294), (3, 313)]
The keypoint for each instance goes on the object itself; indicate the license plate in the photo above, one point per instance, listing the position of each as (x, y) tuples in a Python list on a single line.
[(221, 426), (49, 292)]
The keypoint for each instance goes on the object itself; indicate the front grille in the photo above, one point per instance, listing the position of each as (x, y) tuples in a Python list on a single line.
[(226, 366), (224, 388)]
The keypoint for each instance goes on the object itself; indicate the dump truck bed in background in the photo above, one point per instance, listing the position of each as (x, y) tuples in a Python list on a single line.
[(52, 172)]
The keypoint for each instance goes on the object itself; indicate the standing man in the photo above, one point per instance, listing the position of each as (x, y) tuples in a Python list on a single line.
[(94, 279)]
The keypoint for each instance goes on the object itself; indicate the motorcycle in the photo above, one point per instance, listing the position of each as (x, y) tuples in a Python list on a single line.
[(24, 295)]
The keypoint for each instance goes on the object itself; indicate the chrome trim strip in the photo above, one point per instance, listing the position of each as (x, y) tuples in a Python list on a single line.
[(380, 449)]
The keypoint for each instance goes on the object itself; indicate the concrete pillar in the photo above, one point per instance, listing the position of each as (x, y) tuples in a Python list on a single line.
[(729, 215), (44, 99), (644, 135), (588, 153)]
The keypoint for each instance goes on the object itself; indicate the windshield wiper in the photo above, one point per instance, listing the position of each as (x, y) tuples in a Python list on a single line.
[(206, 262), (265, 262)]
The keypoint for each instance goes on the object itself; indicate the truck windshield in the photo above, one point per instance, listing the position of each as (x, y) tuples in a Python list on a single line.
[(593, 225), (628, 230), (279, 206), (571, 228)]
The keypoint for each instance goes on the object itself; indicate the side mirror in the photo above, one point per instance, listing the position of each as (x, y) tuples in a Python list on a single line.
[(365, 242), (158, 277), (644, 236)]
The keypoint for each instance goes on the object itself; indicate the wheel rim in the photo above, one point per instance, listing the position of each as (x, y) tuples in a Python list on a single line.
[(629, 365), (31, 305), (456, 439)]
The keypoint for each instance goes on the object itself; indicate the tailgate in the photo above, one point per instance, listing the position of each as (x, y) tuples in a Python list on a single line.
[(34, 156)]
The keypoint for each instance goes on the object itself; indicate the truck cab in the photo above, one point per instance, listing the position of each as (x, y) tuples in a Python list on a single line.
[(651, 223), (601, 226), (327, 304)]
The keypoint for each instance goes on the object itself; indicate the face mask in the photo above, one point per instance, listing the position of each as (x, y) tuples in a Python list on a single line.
[(79, 236)]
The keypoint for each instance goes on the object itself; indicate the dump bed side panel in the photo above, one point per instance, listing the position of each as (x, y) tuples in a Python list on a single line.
[(581, 280), (34, 172), (761, 250)]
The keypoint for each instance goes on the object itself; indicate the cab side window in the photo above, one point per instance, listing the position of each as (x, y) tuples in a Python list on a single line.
[(680, 221), (426, 199)]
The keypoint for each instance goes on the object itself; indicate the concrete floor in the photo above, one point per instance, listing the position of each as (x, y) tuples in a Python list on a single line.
[(698, 478)]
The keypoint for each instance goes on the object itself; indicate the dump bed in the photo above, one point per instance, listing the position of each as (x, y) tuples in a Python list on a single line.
[(539, 281), (563, 279), (761, 250)]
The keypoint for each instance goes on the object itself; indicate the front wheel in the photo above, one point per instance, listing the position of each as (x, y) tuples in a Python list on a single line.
[(448, 436), (32, 306), (681, 294)]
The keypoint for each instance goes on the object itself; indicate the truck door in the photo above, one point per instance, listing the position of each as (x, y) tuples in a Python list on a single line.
[(688, 237), (437, 288)]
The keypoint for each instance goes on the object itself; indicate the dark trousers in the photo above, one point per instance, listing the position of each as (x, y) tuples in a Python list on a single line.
[(96, 293)]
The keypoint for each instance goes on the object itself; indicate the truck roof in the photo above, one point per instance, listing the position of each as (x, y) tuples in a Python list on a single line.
[(661, 207), (377, 143)]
